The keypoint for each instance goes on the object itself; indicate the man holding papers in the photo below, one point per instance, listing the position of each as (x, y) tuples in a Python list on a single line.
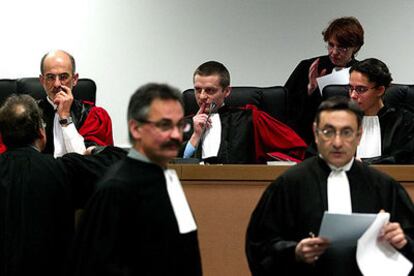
[(280, 239)]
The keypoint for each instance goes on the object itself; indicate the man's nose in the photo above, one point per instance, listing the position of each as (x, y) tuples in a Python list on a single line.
[(57, 82), (203, 94), (337, 140), (176, 133)]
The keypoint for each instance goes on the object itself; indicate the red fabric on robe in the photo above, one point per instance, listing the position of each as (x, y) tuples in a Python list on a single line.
[(97, 127), (271, 135), (2, 146)]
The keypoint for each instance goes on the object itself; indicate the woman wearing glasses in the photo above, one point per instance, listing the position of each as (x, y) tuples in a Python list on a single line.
[(388, 132), (344, 37)]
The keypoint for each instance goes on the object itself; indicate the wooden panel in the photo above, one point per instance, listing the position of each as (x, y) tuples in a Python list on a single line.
[(223, 197)]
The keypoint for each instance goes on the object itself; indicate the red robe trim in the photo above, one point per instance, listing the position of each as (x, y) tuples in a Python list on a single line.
[(273, 137), (97, 127), (2, 146)]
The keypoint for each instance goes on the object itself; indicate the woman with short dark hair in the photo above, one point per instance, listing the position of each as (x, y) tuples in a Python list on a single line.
[(344, 37)]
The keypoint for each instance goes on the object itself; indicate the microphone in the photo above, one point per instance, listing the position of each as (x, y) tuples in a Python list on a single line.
[(212, 107)]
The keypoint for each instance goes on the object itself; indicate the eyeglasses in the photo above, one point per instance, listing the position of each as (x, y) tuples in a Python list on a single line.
[(340, 49), (166, 125), (359, 89), (62, 77), (330, 133)]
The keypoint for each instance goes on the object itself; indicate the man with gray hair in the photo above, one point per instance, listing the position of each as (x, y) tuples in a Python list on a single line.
[(139, 222), (38, 193)]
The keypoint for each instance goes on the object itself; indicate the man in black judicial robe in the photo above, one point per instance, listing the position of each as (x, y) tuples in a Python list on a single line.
[(133, 225), (72, 125), (233, 135), (277, 240), (39, 194)]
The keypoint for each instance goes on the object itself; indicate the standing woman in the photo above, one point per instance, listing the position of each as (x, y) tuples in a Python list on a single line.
[(344, 37)]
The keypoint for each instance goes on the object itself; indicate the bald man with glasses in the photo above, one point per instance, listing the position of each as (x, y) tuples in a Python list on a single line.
[(72, 125)]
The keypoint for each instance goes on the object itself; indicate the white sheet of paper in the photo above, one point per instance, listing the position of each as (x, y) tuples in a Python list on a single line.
[(378, 258), (344, 228), (336, 77)]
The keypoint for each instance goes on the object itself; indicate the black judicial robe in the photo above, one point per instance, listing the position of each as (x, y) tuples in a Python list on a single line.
[(293, 205), (248, 135), (38, 197), (397, 137), (93, 123), (301, 108), (129, 228)]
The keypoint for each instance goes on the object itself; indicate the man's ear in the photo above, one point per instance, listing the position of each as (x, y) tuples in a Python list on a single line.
[(227, 91), (359, 135), (315, 132), (41, 141), (75, 79), (134, 129), (42, 79)]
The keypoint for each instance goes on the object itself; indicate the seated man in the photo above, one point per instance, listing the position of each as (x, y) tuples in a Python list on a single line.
[(38, 193), (292, 207), (388, 132), (224, 134), (71, 125)]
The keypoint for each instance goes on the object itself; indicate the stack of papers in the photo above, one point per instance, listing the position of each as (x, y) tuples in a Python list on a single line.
[(374, 257)]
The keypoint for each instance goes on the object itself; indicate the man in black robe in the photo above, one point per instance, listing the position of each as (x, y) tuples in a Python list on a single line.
[(72, 125), (292, 207), (139, 222), (230, 135), (39, 194)]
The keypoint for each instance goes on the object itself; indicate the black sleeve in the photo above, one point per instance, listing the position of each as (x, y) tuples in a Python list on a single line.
[(99, 239), (84, 171), (268, 252)]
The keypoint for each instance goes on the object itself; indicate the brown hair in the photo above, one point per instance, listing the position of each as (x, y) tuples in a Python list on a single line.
[(210, 68), (347, 31)]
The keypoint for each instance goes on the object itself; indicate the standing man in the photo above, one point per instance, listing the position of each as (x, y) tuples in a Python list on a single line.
[(38, 193), (225, 134), (139, 222), (71, 125), (278, 241)]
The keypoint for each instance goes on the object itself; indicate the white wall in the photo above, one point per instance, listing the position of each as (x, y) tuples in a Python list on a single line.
[(122, 44)]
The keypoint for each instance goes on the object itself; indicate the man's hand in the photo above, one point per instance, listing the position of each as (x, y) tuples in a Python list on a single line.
[(201, 121), (89, 150), (63, 100), (393, 233), (308, 250), (313, 75)]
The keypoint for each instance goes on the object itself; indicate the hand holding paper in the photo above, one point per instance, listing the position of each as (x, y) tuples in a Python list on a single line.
[(377, 256)]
